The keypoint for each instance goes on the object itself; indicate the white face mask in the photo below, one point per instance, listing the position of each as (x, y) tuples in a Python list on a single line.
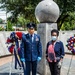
[(54, 38)]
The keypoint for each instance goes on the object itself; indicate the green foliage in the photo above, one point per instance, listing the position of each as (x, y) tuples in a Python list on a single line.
[(67, 7), (9, 26), (26, 8), (69, 23), (22, 21), (21, 7), (1, 21), (1, 28)]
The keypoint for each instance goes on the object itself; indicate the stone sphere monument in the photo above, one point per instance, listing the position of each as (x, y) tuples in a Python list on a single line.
[(47, 11)]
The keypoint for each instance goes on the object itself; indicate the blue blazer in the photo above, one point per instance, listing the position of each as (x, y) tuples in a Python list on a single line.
[(31, 50), (58, 48)]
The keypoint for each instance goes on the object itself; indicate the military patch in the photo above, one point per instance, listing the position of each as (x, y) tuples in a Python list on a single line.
[(37, 39)]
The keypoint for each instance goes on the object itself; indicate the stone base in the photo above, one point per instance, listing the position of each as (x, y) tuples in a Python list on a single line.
[(44, 30)]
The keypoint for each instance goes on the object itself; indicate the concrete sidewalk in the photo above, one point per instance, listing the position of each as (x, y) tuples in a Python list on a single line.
[(5, 60), (6, 66), (66, 64)]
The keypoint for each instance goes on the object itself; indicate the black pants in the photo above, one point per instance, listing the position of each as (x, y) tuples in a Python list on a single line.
[(54, 68), (31, 65)]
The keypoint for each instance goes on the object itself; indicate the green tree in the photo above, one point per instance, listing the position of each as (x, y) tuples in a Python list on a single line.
[(27, 8), (9, 26), (66, 8), (22, 7), (69, 23), (22, 21)]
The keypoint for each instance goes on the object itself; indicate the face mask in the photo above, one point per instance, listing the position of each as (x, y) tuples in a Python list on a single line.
[(54, 38)]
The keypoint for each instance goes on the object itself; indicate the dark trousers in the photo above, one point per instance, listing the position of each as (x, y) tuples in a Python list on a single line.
[(31, 66), (54, 68)]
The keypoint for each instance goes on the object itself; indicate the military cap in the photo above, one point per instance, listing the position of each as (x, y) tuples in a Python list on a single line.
[(31, 25)]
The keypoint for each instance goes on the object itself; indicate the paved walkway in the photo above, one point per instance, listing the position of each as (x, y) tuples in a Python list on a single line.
[(5, 60), (5, 66), (69, 61)]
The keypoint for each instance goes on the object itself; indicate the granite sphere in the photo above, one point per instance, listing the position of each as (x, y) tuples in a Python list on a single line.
[(47, 11)]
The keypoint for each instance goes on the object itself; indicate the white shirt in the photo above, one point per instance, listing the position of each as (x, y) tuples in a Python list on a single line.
[(32, 36)]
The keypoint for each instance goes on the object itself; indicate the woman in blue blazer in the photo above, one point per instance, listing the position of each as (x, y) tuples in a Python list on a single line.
[(54, 53)]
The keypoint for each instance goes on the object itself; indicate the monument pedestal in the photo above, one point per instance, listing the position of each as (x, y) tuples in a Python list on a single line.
[(44, 30)]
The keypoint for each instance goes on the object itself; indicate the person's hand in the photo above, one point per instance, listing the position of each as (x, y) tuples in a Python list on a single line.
[(61, 60), (22, 59), (60, 63), (38, 59)]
